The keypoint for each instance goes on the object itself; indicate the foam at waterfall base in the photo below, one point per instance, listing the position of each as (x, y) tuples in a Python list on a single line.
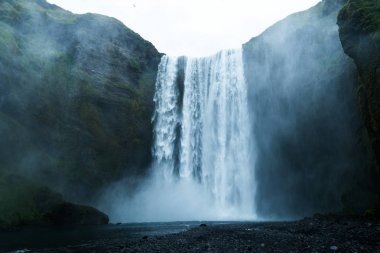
[(203, 153), (183, 200)]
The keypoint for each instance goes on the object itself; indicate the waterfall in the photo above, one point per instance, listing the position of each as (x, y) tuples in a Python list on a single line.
[(203, 134), (166, 116)]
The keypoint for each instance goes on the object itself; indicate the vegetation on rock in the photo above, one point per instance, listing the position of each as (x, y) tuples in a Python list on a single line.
[(24, 202), (302, 90), (359, 31), (76, 98)]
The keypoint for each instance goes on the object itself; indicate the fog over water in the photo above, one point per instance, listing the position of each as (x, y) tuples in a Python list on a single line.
[(266, 132), (203, 165), (270, 130)]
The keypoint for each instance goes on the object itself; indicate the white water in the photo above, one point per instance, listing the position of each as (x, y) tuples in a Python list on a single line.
[(203, 155), (166, 116)]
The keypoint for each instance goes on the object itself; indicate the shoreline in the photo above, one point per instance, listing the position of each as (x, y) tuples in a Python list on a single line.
[(320, 233)]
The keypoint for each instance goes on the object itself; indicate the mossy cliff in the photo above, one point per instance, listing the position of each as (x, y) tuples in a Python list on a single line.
[(306, 119), (76, 100), (75, 97), (359, 31), (24, 202)]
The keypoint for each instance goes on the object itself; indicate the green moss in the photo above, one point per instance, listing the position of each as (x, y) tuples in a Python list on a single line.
[(359, 30), (364, 14), (57, 15), (24, 202), (134, 65), (91, 119), (8, 42), (10, 12), (80, 105), (17, 8)]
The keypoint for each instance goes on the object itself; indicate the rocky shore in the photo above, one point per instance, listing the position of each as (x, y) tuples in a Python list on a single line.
[(333, 233)]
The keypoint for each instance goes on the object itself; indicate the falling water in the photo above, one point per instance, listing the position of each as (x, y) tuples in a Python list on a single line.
[(212, 122), (166, 116)]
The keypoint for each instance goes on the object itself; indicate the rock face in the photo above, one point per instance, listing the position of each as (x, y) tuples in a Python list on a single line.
[(76, 100), (359, 30), (76, 97), (71, 214), (24, 202), (306, 119)]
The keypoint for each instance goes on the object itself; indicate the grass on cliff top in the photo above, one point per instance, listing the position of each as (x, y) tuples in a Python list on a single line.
[(364, 13), (14, 10)]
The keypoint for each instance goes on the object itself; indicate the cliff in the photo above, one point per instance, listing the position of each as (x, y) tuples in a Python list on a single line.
[(359, 31), (76, 101), (76, 98), (306, 121)]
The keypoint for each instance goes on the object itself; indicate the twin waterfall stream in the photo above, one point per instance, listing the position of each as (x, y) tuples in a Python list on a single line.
[(202, 130)]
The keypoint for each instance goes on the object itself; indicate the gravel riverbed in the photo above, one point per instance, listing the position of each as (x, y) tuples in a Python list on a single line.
[(332, 233)]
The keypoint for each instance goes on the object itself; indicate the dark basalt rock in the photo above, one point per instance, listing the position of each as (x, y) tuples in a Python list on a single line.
[(359, 31), (76, 98), (71, 214), (325, 234), (26, 203), (301, 88)]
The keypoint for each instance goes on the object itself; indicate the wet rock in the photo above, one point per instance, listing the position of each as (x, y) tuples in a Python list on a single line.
[(71, 214), (268, 237)]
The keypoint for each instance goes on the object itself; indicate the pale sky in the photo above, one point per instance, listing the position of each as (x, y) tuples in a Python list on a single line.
[(192, 27)]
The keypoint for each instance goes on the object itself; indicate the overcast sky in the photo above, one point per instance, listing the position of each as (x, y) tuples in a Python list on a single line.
[(192, 27)]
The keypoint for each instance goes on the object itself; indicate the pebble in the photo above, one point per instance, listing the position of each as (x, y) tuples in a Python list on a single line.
[(275, 237)]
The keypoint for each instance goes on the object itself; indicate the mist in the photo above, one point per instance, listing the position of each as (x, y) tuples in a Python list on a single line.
[(157, 200), (65, 92), (304, 125), (202, 165), (302, 95), (268, 131), (110, 143)]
